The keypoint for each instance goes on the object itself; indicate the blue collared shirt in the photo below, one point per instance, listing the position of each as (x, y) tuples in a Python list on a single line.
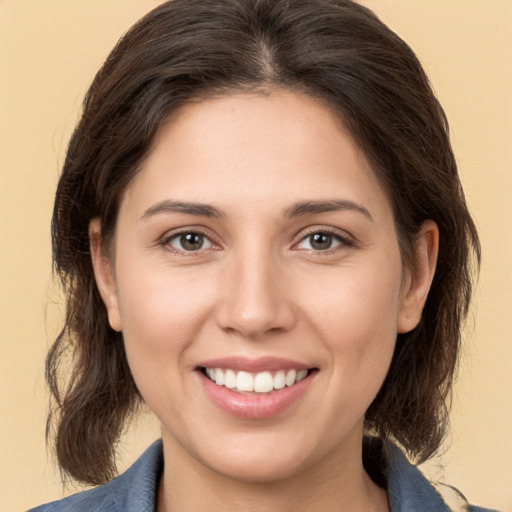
[(135, 490)]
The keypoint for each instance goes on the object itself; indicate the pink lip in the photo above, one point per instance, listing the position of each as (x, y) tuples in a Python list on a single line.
[(262, 364), (253, 406)]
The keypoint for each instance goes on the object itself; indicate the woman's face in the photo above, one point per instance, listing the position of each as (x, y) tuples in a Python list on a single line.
[(256, 250)]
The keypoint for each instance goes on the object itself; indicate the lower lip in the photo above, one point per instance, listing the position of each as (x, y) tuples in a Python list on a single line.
[(255, 406)]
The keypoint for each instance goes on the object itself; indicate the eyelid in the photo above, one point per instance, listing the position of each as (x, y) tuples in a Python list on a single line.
[(345, 239), (175, 233)]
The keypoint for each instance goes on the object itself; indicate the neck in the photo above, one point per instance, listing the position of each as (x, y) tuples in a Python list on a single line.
[(337, 482)]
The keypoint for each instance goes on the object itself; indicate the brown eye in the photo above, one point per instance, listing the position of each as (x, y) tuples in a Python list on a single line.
[(189, 241), (322, 241)]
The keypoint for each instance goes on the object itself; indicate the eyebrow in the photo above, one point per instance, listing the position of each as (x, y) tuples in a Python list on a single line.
[(296, 210), (334, 205), (168, 206)]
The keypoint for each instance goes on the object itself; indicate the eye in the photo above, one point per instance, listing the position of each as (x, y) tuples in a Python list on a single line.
[(322, 241), (189, 241)]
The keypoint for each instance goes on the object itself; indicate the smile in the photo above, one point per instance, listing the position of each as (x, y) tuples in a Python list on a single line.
[(260, 382), (255, 389)]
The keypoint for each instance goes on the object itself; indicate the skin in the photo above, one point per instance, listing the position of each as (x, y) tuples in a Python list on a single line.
[(259, 287)]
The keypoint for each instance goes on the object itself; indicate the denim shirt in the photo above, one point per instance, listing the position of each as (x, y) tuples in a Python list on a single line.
[(135, 490)]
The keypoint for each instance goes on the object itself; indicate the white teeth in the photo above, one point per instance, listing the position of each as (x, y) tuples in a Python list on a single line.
[(230, 379), (244, 381), (301, 375), (219, 376), (290, 378), (262, 382), (279, 380)]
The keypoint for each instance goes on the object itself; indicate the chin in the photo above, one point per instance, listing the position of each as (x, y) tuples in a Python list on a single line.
[(259, 458), (259, 470)]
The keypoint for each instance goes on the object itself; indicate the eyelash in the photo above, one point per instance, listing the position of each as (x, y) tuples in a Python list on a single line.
[(166, 241), (344, 241)]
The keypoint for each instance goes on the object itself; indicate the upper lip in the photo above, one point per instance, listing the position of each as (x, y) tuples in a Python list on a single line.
[(261, 364)]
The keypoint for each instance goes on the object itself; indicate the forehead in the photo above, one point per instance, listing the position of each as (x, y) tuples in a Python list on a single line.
[(254, 150)]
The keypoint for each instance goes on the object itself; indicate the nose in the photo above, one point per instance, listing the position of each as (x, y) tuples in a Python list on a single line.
[(256, 298)]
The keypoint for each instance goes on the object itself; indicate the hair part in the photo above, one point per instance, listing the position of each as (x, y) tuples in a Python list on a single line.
[(187, 50)]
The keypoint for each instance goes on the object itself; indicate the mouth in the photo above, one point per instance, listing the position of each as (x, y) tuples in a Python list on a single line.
[(255, 389), (263, 382)]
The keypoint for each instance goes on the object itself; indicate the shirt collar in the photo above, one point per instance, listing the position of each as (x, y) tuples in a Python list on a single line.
[(136, 489), (407, 487)]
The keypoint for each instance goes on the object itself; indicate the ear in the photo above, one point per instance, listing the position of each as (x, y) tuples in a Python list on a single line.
[(104, 274), (419, 278)]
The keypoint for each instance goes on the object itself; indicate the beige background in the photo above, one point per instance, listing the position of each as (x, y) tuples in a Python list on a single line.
[(49, 51)]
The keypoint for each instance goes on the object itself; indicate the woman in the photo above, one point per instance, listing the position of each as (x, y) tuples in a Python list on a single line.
[(263, 237)]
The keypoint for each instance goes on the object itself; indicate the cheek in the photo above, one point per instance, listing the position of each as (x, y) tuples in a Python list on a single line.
[(361, 303), (356, 314), (162, 303), (162, 313)]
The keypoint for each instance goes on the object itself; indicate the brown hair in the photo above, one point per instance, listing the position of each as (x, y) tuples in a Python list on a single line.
[(334, 50)]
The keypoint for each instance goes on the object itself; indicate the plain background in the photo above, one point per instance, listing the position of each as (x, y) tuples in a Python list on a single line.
[(49, 52)]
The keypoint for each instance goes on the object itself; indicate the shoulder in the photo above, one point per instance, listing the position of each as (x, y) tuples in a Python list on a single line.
[(132, 491), (408, 488), (455, 500)]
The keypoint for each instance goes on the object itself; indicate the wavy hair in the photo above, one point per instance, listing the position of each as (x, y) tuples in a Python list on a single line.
[(334, 50)]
